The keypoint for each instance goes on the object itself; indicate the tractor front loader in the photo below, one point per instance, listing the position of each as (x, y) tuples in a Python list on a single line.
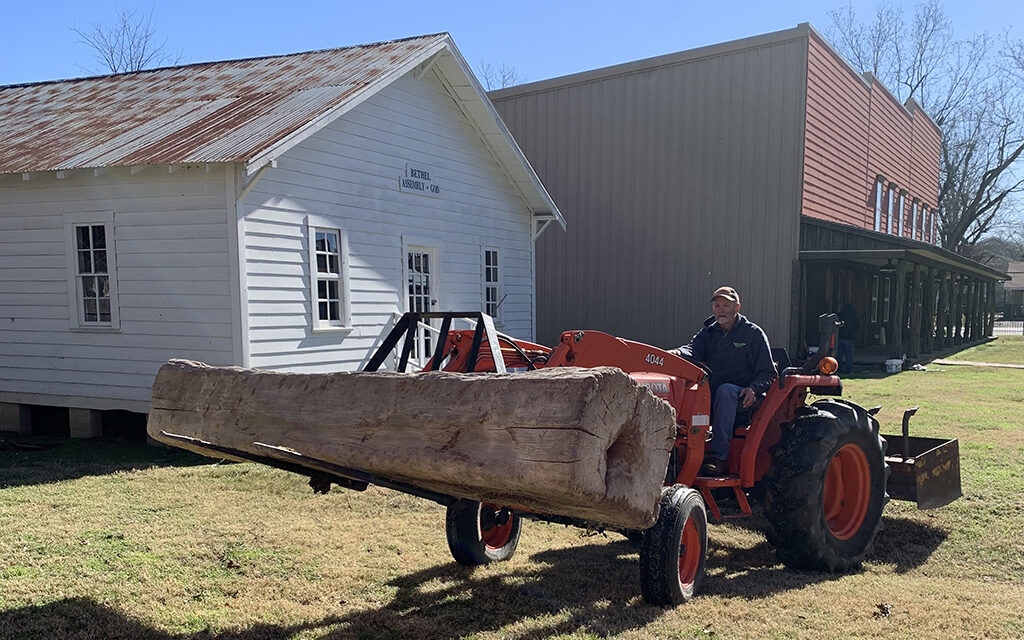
[(493, 424)]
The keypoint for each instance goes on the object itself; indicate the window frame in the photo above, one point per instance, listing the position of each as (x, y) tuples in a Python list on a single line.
[(915, 209), (76, 304), (903, 212), (879, 200), (892, 191), (874, 298), (486, 284), (344, 321), (886, 298)]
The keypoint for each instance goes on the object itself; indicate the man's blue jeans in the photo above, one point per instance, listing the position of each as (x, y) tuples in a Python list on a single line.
[(846, 356), (723, 415)]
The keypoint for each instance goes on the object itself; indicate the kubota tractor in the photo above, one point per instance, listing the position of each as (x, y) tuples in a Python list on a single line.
[(818, 470)]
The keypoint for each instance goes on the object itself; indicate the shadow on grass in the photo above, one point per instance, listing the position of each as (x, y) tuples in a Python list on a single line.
[(905, 543), (65, 459), (86, 619), (593, 587)]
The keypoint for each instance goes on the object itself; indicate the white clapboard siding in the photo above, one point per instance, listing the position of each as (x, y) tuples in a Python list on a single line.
[(171, 243), (348, 174)]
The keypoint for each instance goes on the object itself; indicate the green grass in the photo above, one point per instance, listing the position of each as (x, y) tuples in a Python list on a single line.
[(101, 539), (1004, 350)]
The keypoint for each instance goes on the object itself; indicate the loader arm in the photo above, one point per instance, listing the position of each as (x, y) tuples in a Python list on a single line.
[(598, 349)]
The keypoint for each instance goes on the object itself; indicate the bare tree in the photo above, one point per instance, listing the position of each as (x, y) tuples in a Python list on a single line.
[(130, 44), (965, 87), (503, 76)]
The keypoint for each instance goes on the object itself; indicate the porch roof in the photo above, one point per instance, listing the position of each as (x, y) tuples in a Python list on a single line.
[(880, 258)]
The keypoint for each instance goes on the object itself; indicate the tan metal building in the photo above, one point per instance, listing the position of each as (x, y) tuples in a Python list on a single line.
[(1014, 289), (760, 163)]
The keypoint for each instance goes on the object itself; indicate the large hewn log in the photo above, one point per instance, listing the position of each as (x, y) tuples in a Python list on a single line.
[(585, 443)]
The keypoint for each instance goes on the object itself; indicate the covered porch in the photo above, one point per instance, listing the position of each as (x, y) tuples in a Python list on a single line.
[(913, 299)]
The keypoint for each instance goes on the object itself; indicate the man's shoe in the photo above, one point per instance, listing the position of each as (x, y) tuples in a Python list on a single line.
[(713, 467)]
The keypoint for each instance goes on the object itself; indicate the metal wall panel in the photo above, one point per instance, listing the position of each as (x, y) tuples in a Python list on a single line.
[(675, 175)]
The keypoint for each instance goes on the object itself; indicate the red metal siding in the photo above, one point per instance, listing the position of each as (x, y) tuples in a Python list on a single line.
[(855, 130), (836, 186), (924, 171)]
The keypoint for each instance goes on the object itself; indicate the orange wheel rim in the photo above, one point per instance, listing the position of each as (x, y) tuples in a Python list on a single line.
[(689, 554), (847, 491), (498, 535)]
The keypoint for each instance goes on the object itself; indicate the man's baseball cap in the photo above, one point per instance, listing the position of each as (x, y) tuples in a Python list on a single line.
[(726, 292)]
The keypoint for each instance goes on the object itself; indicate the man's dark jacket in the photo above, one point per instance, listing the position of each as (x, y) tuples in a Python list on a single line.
[(740, 357)]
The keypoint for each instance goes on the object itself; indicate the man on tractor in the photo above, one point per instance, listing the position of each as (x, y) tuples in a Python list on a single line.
[(739, 356)]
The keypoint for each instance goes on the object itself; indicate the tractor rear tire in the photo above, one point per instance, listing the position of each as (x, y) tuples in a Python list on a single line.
[(673, 552), (479, 533), (825, 491)]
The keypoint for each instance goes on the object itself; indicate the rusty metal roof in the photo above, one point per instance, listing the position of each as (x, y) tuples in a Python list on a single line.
[(211, 112)]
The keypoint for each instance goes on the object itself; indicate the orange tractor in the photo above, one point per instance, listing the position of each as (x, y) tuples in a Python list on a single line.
[(819, 470)]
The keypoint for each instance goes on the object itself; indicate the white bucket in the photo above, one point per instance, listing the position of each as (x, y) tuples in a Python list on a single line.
[(893, 366)]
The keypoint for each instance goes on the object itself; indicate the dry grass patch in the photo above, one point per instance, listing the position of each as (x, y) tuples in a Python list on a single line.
[(107, 540)]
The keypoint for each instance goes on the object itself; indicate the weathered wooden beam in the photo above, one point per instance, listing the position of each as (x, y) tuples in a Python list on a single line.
[(584, 443)]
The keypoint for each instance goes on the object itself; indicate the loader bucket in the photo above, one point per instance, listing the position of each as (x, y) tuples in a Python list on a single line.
[(924, 470)]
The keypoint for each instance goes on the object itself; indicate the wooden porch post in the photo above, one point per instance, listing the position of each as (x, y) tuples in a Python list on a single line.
[(957, 308), (897, 317), (969, 312), (991, 326), (929, 311), (942, 337), (972, 311), (976, 316), (979, 295), (914, 350), (982, 309)]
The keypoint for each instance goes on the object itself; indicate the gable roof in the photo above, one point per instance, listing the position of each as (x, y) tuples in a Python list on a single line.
[(239, 111)]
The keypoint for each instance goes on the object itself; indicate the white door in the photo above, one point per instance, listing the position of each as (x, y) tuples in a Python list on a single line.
[(421, 274)]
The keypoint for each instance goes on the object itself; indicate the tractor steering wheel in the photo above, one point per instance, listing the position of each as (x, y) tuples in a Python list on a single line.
[(697, 362)]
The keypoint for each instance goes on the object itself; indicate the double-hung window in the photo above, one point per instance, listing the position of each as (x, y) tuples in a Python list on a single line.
[(328, 278), (492, 284), (913, 221), (92, 271)]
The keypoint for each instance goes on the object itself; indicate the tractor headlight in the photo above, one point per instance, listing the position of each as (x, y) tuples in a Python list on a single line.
[(828, 365)]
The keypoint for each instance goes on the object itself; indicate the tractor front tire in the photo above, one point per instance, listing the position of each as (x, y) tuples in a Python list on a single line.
[(479, 533), (825, 491), (673, 552)]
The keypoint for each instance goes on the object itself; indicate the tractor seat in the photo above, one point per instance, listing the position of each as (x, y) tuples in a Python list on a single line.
[(781, 358)]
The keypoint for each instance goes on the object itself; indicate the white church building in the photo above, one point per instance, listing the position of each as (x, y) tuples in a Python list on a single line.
[(272, 212)]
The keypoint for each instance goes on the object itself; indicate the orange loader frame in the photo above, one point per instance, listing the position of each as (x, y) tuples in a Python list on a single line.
[(683, 383)]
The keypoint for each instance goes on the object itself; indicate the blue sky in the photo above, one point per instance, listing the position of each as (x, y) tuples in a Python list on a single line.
[(540, 39)]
